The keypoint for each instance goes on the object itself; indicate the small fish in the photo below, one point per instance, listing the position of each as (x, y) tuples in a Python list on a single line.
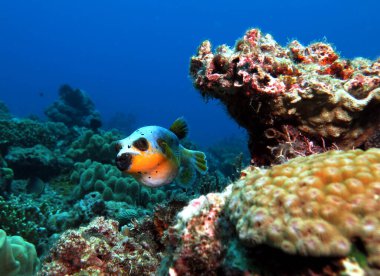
[(154, 156)]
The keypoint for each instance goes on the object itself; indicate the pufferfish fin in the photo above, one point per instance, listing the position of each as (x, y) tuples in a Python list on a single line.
[(168, 151), (186, 175), (191, 161), (196, 158), (180, 128)]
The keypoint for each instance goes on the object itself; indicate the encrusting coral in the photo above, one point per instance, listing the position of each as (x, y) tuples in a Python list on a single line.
[(314, 206), (196, 236), (100, 249), (323, 101)]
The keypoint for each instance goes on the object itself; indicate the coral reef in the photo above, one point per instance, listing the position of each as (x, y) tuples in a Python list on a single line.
[(198, 247), (27, 216), (95, 146), (112, 184), (17, 257), (6, 178), (28, 133), (4, 112), (323, 99), (100, 248), (37, 161), (202, 241), (74, 108), (313, 206), (229, 156), (82, 212)]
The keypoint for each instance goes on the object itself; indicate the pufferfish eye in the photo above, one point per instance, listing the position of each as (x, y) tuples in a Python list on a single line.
[(141, 144)]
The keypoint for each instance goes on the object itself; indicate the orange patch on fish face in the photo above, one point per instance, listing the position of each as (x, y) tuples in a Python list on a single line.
[(146, 162), (165, 170)]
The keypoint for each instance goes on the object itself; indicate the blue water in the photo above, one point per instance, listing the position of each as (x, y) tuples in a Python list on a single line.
[(133, 56)]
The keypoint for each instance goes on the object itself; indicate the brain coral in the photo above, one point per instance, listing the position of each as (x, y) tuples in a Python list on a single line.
[(266, 86), (314, 206)]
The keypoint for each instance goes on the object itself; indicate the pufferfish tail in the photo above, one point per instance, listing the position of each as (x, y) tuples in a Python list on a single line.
[(191, 161)]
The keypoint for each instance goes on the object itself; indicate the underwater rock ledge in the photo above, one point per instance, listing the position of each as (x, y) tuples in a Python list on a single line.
[(293, 100)]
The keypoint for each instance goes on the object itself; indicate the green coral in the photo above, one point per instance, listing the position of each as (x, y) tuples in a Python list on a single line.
[(112, 184), (26, 216), (17, 256), (14, 220), (95, 146), (28, 133), (6, 177)]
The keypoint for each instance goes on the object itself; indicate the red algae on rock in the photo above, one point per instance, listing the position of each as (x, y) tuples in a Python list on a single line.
[(323, 99)]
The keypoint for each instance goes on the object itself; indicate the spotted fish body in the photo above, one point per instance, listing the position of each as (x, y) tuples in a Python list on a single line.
[(154, 156)]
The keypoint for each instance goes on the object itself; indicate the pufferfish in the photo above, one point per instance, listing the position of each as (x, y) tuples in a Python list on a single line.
[(154, 156)]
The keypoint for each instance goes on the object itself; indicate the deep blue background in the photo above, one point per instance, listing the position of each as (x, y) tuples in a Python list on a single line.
[(133, 56)]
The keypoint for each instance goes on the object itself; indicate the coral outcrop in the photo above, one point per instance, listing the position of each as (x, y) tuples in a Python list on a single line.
[(17, 256), (27, 216), (100, 249), (293, 100), (95, 146), (6, 178), (196, 236), (28, 133), (313, 206), (4, 112), (112, 184), (74, 108), (37, 161)]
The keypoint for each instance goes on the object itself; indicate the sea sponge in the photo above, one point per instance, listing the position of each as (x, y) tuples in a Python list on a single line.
[(17, 256), (313, 206)]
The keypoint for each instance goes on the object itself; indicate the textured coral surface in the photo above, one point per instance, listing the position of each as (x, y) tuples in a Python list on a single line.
[(100, 249), (265, 86), (314, 206), (196, 237), (17, 256)]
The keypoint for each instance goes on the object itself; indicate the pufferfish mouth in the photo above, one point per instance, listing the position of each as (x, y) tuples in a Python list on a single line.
[(124, 161)]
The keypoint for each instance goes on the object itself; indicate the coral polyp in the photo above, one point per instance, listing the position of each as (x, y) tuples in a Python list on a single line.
[(313, 206)]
